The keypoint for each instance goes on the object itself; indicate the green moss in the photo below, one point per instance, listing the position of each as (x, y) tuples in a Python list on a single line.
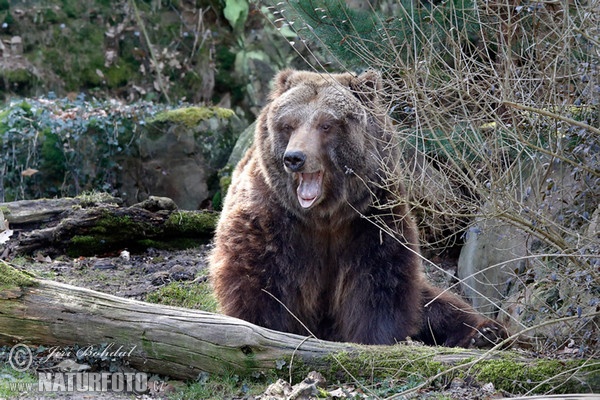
[(192, 116), (540, 376), (192, 222), (393, 369), (182, 230), (11, 277), (8, 387), (85, 245), (109, 232), (197, 296), (404, 363), (18, 77), (93, 198), (118, 75)]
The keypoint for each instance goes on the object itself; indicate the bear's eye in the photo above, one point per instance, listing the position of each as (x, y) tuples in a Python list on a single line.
[(326, 127), (287, 128)]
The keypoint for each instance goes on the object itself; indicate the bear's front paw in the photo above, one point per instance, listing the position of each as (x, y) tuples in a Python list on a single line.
[(487, 335)]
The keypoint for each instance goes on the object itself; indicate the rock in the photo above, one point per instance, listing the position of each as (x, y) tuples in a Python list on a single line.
[(551, 299), (495, 251), (309, 388), (278, 390), (156, 203), (555, 296), (180, 273), (490, 259), (16, 46), (179, 153)]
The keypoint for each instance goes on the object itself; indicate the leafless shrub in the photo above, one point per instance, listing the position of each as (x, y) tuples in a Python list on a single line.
[(497, 106)]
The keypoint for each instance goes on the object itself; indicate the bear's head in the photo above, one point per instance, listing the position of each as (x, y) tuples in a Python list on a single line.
[(321, 141)]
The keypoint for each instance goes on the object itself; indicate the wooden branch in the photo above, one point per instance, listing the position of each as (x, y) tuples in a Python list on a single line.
[(182, 343)]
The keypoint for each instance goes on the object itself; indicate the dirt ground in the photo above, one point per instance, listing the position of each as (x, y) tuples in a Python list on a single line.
[(127, 275)]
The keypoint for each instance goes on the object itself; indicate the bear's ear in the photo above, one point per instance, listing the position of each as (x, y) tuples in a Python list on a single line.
[(282, 83), (367, 86)]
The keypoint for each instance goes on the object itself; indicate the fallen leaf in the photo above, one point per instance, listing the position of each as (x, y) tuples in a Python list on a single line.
[(29, 172), (5, 236)]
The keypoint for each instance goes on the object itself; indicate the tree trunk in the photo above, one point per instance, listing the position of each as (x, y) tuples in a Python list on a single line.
[(182, 343), (92, 225), (166, 340)]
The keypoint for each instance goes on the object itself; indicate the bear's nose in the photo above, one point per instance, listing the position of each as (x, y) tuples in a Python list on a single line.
[(294, 160)]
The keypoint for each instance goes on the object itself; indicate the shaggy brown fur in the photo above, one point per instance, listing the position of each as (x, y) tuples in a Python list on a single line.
[(302, 226)]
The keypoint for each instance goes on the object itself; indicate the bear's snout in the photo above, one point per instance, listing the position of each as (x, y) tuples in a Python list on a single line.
[(294, 160)]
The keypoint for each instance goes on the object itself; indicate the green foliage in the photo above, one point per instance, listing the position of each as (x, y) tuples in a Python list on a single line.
[(196, 296), (98, 45), (12, 278), (236, 12), (60, 147), (10, 376), (73, 145), (116, 75), (363, 38)]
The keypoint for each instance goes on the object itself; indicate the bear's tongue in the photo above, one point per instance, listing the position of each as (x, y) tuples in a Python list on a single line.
[(309, 188)]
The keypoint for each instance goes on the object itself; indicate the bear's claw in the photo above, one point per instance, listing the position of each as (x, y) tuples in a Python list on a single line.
[(488, 335)]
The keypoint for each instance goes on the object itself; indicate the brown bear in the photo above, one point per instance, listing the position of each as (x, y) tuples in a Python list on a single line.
[(313, 238)]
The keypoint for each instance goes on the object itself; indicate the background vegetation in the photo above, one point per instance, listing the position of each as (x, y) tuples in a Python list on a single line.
[(496, 107)]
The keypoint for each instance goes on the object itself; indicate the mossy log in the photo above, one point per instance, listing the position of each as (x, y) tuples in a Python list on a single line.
[(93, 225), (182, 343)]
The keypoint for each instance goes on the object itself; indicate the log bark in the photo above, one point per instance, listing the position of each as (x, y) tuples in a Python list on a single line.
[(165, 340), (182, 343), (90, 226)]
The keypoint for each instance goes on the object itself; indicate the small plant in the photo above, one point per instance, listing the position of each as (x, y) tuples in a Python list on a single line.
[(197, 296)]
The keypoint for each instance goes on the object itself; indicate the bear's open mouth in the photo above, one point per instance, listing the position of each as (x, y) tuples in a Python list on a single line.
[(309, 188)]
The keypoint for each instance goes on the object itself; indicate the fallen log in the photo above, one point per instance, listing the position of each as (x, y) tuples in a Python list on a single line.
[(92, 225), (183, 343)]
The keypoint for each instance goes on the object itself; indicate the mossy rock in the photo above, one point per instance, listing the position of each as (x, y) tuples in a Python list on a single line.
[(242, 145), (192, 116), (180, 153)]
